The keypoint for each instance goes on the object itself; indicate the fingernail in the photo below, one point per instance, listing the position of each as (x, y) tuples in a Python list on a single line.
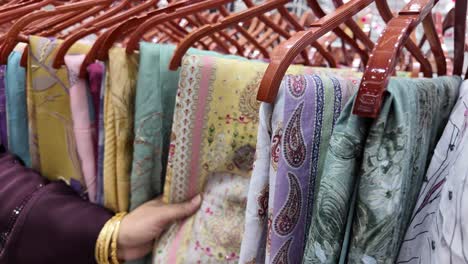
[(197, 199)]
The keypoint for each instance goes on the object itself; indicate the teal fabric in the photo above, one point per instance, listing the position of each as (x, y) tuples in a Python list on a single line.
[(382, 164), (17, 112)]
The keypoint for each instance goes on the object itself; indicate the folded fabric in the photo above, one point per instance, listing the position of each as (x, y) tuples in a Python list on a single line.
[(311, 109), (3, 114), (83, 128), (154, 111), (95, 74), (256, 243), (212, 150), (52, 142), (101, 136), (383, 161), (438, 223), (17, 112), (119, 106)]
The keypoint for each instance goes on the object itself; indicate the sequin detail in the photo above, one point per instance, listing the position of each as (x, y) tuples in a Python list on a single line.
[(294, 148), (14, 217), (288, 217)]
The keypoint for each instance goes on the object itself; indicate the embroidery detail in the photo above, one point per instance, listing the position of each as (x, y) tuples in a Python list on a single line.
[(337, 102), (244, 158), (249, 106), (319, 107), (262, 201), (276, 147), (294, 147), (287, 219), (297, 85), (282, 255), (252, 261)]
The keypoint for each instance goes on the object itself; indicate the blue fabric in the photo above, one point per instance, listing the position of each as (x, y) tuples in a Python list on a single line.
[(16, 107), (101, 140)]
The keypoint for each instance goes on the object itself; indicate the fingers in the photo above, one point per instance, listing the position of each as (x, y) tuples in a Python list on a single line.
[(134, 253), (174, 212)]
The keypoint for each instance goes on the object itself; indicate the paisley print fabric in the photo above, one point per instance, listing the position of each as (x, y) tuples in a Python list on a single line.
[(119, 106), (256, 243), (282, 257), (382, 162), (294, 148), (438, 224), (287, 219), (309, 117), (52, 142), (17, 113)]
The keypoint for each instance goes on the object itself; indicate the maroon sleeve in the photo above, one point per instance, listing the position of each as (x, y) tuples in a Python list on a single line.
[(42, 222)]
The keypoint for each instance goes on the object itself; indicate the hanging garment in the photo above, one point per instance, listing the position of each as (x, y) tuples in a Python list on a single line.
[(119, 105), (383, 161), (17, 112), (256, 243), (312, 106), (83, 128), (212, 150), (101, 137), (3, 117), (52, 142), (154, 111), (95, 75), (439, 223)]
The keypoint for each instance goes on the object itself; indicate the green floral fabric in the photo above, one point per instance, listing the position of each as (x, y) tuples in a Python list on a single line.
[(373, 173)]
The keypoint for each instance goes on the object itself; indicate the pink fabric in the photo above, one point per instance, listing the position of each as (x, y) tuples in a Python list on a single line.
[(198, 130), (85, 134)]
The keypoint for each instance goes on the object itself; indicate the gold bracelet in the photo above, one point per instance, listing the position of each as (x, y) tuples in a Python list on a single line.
[(115, 236), (107, 239)]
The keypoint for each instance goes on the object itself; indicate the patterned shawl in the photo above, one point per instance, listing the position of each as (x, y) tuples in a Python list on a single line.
[(439, 220), (383, 162)]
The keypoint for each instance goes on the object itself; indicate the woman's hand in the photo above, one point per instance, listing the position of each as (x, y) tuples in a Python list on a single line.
[(141, 227)]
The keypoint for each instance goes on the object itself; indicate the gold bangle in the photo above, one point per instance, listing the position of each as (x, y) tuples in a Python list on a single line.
[(115, 235), (107, 240)]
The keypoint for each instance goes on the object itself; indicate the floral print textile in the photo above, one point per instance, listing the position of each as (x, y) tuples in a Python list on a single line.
[(212, 150), (383, 162), (52, 142), (439, 220)]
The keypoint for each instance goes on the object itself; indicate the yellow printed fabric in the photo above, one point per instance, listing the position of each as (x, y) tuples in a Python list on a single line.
[(52, 142), (212, 151), (118, 124)]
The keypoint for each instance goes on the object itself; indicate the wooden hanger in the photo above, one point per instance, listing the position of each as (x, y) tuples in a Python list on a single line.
[(13, 35), (234, 19), (103, 43), (459, 36), (96, 25), (54, 26), (382, 63), (386, 14), (21, 11), (284, 54), (318, 11), (134, 39)]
